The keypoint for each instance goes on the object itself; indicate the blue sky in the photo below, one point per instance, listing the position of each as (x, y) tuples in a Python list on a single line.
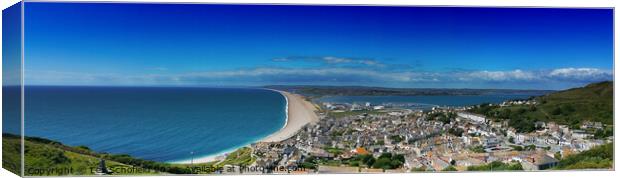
[(11, 45), (245, 45)]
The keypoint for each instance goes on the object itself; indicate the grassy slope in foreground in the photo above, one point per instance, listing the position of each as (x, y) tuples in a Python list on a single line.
[(44, 153), (593, 102), (46, 158), (43, 156)]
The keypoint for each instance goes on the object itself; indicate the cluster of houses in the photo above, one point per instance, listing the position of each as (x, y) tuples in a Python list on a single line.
[(367, 106), (518, 102), (426, 143), (351, 107)]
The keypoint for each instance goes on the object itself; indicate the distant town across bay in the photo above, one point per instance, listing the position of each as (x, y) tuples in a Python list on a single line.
[(321, 91)]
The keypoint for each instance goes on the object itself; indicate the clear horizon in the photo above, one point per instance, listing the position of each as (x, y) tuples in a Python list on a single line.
[(256, 45)]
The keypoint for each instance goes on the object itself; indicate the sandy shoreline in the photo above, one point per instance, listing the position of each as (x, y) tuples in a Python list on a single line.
[(299, 113)]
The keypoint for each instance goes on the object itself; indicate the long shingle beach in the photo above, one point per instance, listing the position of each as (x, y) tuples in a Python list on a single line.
[(300, 113)]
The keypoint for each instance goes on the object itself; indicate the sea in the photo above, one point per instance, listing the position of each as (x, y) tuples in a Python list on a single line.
[(155, 123)]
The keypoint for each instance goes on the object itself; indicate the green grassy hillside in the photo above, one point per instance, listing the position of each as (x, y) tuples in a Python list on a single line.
[(600, 157), (51, 157), (10, 154), (48, 158), (593, 102)]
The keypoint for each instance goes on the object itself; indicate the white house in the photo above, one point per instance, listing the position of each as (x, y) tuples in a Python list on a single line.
[(473, 117)]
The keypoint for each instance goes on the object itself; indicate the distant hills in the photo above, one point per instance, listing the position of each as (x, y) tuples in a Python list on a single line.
[(593, 102), (318, 91)]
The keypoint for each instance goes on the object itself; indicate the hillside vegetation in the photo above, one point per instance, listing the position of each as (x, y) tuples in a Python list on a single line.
[(49, 158), (600, 157), (572, 107), (496, 166)]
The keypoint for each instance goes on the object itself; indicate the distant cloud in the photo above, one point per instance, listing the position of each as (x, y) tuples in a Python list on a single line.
[(280, 59), (331, 60), (580, 74), (298, 75), (515, 75), (159, 68), (339, 76), (560, 74)]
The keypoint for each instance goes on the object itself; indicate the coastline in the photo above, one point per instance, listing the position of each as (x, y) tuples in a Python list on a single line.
[(299, 112)]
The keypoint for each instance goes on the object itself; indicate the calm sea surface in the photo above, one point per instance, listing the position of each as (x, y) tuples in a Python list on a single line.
[(155, 123)]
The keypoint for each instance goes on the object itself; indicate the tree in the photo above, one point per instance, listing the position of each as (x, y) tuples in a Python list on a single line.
[(517, 147), (383, 163), (385, 155), (521, 111), (557, 155), (456, 131), (399, 157), (395, 164), (449, 168), (367, 159), (523, 125), (530, 147), (309, 163), (556, 111), (478, 149), (396, 138), (601, 134)]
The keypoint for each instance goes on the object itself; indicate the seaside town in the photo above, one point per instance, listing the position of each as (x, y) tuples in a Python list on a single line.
[(160, 89), (366, 138), (562, 130)]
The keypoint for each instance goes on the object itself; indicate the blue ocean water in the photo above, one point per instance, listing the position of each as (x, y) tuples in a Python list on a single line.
[(424, 102), (154, 123), (11, 110)]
